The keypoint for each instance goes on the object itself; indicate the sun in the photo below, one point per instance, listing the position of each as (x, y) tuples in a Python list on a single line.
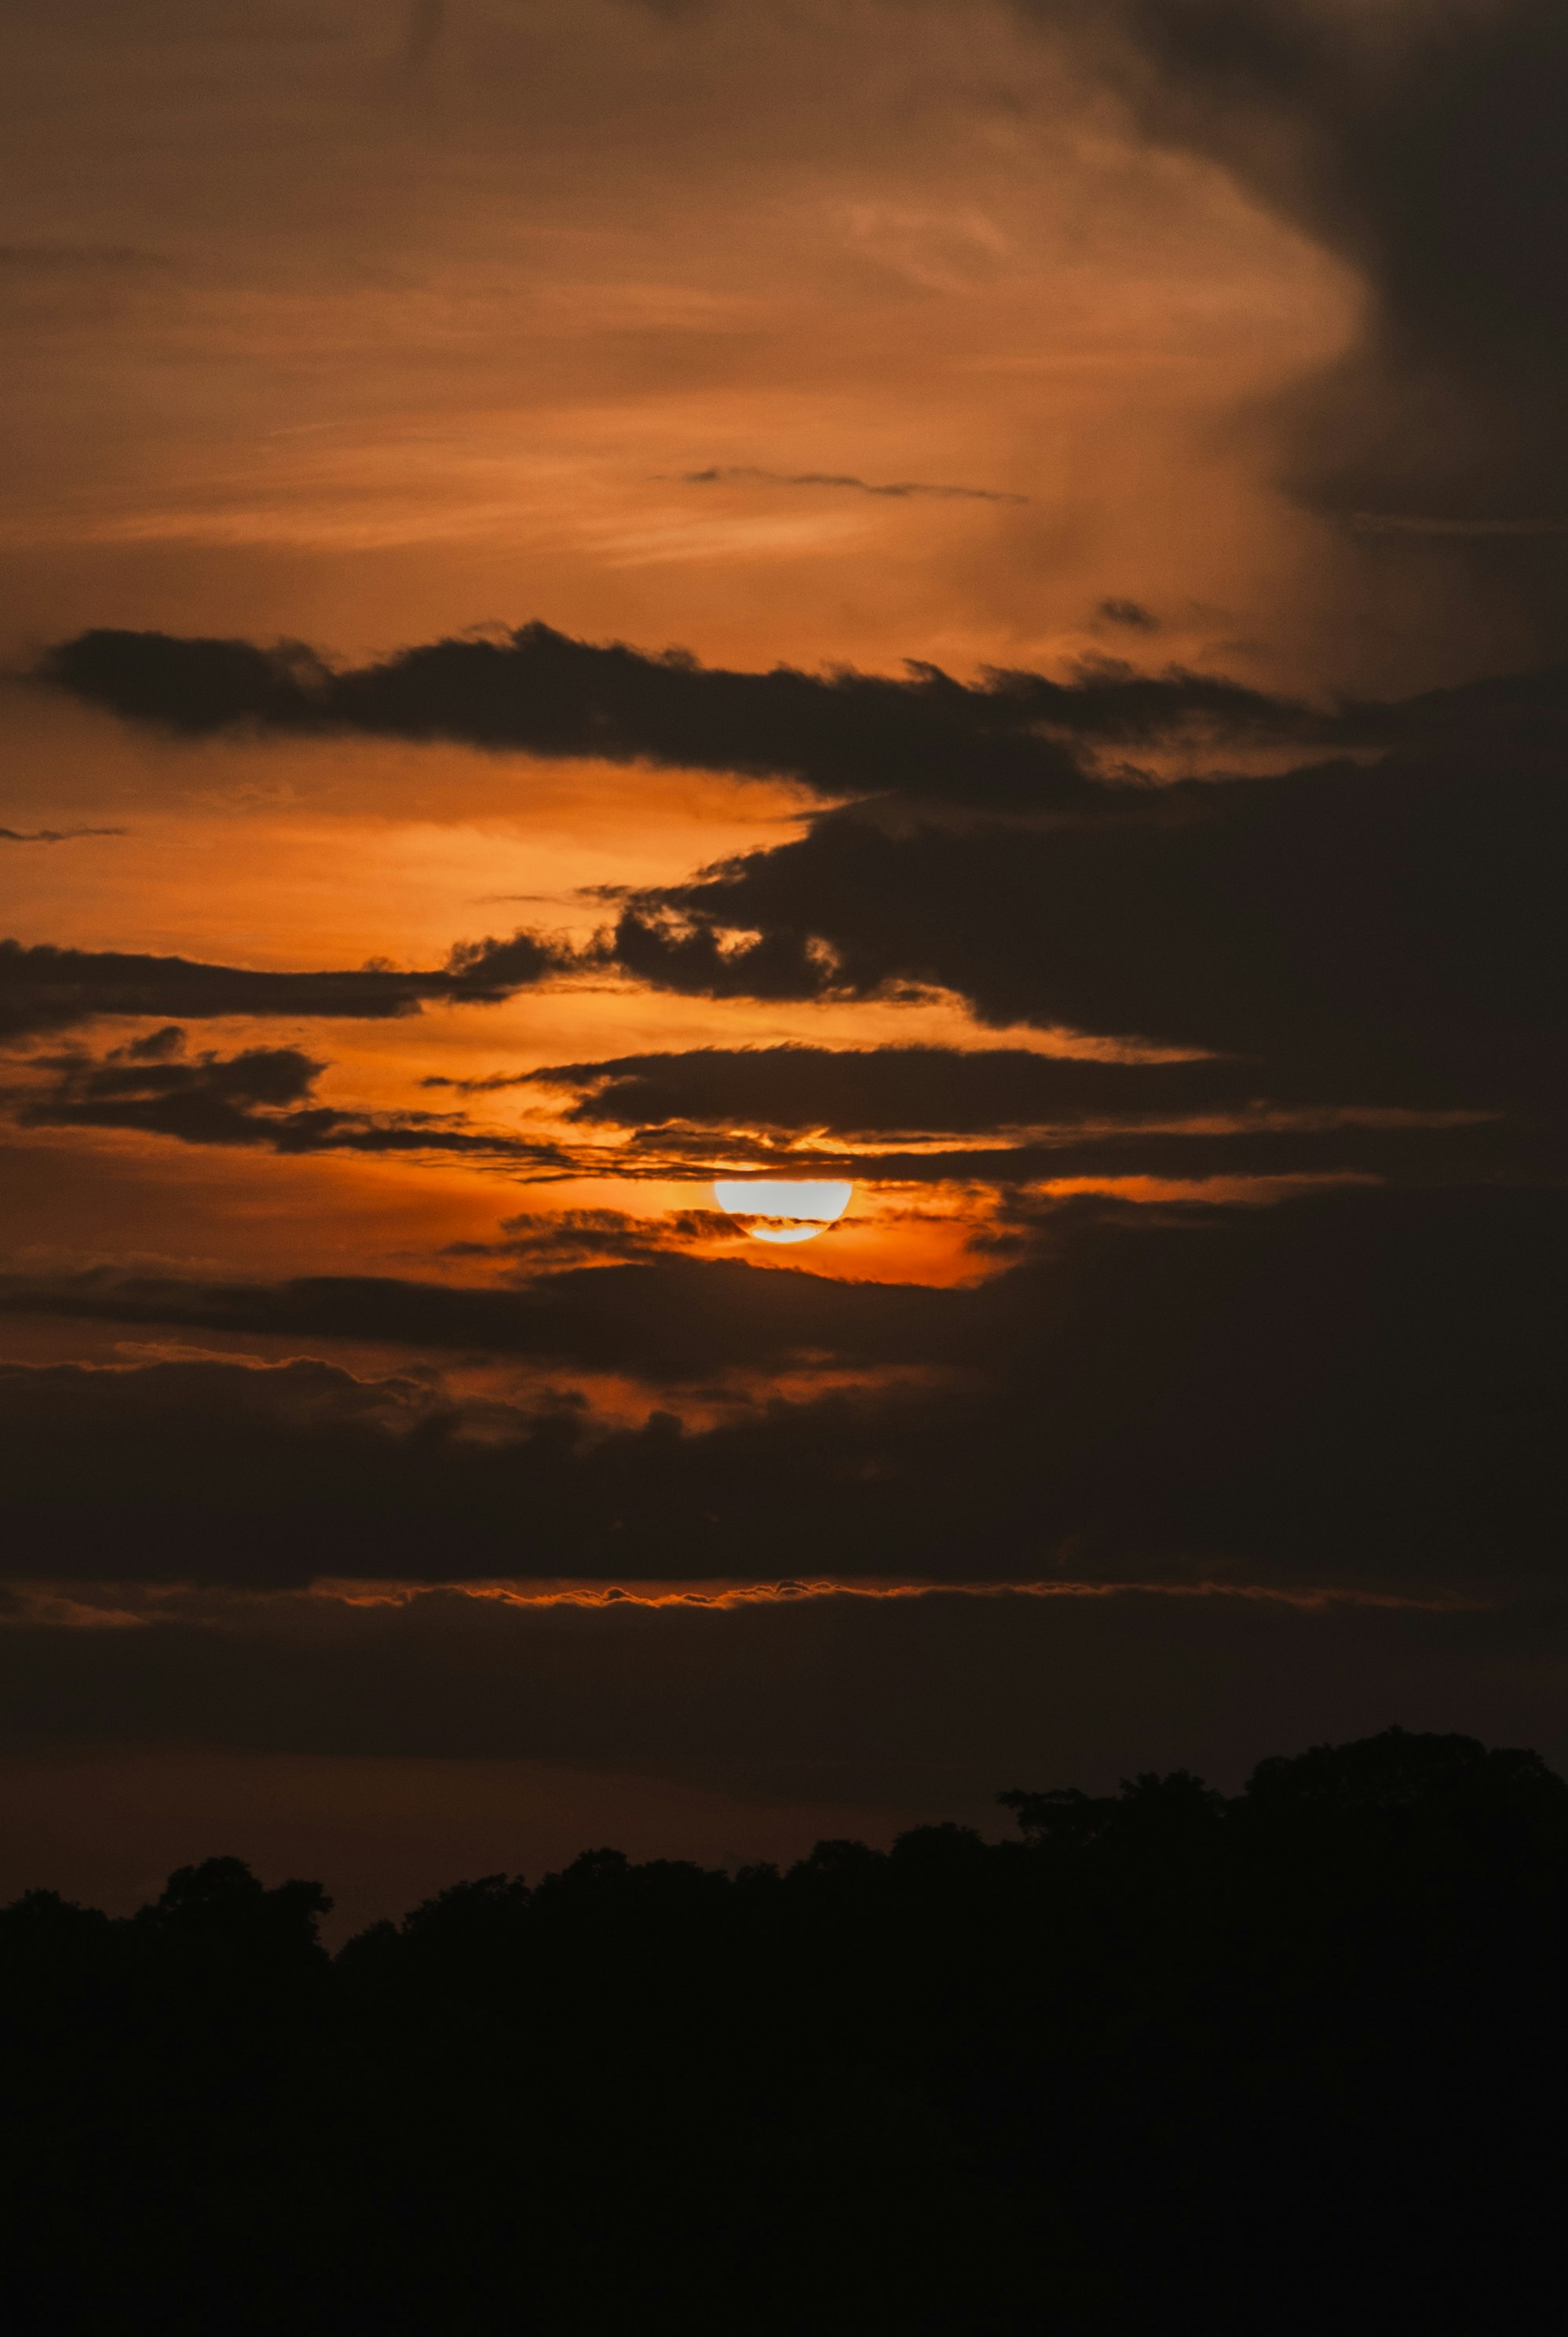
[(778, 1210)]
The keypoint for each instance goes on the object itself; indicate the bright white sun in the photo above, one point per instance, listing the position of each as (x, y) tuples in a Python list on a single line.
[(780, 1211)]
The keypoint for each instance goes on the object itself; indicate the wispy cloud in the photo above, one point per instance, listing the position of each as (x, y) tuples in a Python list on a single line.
[(740, 475), (53, 834), (1309, 1598)]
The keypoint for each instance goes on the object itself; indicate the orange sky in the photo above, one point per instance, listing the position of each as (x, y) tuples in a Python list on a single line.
[(400, 343), (364, 325), (320, 328)]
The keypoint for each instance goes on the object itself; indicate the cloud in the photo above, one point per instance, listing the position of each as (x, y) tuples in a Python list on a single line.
[(1087, 1117), (539, 1242), (1131, 613), (53, 834), (1424, 146), (1360, 1387), (1207, 1163), (43, 988), (925, 1701), (1379, 934), (675, 1105), (1015, 740), (740, 475), (490, 969), (1372, 925), (262, 1095), (880, 1091), (660, 1318)]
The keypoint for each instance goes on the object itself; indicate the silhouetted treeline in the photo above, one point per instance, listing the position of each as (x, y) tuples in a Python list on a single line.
[(1280, 2065)]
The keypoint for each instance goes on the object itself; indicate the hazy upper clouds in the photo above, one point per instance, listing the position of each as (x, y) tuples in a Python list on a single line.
[(408, 323), (409, 310), (1424, 144)]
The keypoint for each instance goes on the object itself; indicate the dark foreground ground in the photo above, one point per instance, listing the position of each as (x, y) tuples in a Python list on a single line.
[(1293, 2062)]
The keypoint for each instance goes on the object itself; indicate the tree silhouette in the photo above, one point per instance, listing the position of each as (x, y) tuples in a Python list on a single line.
[(1166, 2061)]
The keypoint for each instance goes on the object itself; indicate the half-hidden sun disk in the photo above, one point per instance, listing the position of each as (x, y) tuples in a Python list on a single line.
[(782, 1211)]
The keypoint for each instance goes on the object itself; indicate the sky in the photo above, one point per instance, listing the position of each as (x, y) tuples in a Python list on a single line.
[(960, 598)]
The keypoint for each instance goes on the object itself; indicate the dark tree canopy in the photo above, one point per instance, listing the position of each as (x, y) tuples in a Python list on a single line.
[(1168, 2061)]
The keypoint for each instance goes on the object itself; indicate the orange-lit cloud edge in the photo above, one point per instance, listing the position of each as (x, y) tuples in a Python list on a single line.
[(728, 1596), (134, 1606)]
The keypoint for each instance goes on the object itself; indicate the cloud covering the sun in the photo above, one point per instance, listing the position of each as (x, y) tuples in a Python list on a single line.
[(1352, 1386)]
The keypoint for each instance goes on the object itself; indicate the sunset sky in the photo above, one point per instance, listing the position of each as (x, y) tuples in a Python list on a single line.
[(962, 599)]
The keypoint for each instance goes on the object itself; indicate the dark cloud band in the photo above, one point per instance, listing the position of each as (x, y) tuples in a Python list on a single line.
[(44, 989), (263, 1096), (1363, 1387), (1015, 740)]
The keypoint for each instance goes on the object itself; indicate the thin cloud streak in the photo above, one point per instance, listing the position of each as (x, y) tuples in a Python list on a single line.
[(53, 834), (743, 475), (119, 1607), (728, 1597)]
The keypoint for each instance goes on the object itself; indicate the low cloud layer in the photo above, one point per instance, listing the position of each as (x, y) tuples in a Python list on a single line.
[(660, 1318), (1354, 1387), (1065, 1691)]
